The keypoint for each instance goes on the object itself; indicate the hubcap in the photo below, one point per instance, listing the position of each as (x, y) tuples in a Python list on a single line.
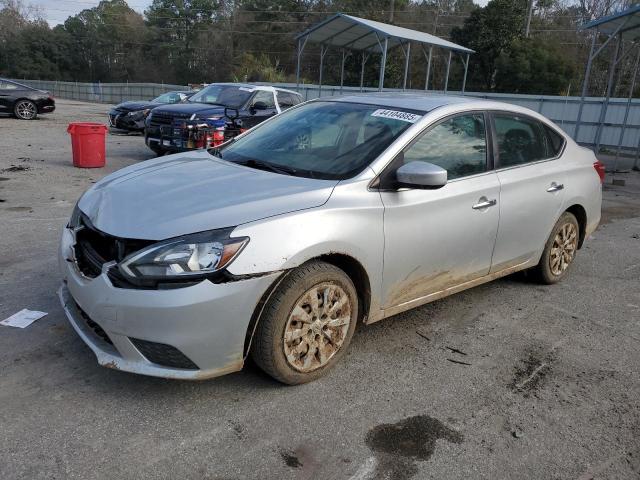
[(563, 249), (317, 327), (26, 109)]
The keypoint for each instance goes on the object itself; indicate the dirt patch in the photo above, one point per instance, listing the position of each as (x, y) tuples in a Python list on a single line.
[(531, 372), (15, 168), (290, 458), (399, 445), (18, 209)]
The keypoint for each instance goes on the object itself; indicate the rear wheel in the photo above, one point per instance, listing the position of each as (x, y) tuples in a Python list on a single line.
[(25, 110), (307, 324), (560, 250)]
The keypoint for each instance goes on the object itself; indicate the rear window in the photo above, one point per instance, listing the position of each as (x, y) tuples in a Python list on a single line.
[(555, 141), (288, 99)]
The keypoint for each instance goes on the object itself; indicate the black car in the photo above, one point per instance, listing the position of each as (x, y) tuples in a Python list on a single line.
[(131, 115), (215, 114), (24, 102)]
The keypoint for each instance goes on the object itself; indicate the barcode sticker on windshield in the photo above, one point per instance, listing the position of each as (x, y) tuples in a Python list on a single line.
[(396, 115)]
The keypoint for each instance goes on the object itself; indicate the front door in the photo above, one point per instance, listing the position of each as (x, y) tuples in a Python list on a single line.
[(261, 107), (438, 239), (532, 179)]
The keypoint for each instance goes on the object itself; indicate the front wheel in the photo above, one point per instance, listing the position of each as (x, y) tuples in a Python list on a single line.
[(307, 324), (560, 250), (25, 110)]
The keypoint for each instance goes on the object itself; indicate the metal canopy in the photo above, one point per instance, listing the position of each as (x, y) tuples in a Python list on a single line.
[(348, 34), (619, 27), (628, 23), (345, 31)]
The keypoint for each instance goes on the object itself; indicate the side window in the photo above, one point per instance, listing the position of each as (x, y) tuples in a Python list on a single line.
[(264, 97), (555, 141), (520, 140), (8, 86), (459, 145), (285, 100)]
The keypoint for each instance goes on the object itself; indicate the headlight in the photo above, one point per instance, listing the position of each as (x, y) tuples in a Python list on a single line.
[(136, 114), (188, 256)]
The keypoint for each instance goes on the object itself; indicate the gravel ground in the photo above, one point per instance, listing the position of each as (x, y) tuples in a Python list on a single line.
[(507, 380)]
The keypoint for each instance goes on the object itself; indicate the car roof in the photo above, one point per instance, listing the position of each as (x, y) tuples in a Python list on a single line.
[(412, 101), (267, 88)]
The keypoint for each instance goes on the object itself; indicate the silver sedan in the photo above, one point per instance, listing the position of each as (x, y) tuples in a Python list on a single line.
[(335, 213)]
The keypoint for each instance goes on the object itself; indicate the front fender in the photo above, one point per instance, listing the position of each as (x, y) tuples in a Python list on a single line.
[(350, 223)]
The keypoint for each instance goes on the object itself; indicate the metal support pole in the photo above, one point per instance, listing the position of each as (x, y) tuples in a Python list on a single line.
[(426, 78), (383, 63), (344, 57), (323, 51), (626, 112), (301, 46), (406, 65), (364, 59), (603, 110), (466, 68), (585, 86), (446, 80)]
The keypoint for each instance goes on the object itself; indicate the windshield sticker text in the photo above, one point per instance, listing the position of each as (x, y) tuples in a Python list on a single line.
[(396, 115)]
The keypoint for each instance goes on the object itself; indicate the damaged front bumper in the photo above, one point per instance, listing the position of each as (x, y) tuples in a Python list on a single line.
[(201, 328)]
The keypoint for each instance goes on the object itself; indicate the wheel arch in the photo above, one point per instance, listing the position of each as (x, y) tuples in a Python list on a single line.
[(348, 264), (580, 213)]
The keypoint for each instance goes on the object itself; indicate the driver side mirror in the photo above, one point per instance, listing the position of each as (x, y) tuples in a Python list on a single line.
[(421, 175), (259, 106)]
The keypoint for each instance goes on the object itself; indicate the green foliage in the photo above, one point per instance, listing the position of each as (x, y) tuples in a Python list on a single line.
[(195, 41), (534, 66), (257, 69), (490, 31)]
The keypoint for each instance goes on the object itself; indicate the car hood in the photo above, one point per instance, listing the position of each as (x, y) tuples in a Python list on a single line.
[(193, 192), (184, 109), (133, 106)]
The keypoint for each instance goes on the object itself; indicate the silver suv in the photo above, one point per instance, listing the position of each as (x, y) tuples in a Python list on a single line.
[(337, 212)]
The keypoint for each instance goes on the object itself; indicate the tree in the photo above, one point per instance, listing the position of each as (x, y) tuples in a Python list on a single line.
[(531, 65), (490, 31)]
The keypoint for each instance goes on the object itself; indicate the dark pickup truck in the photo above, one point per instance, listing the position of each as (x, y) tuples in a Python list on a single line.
[(212, 116)]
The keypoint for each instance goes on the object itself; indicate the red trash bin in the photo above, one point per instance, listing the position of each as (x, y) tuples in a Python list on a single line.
[(88, 144)]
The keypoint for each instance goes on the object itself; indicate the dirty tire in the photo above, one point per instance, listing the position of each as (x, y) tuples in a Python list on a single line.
[(544, 271), (269, 343), (25, 110)]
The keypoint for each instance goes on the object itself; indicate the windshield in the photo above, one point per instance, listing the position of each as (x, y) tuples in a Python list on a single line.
[(328, 140), (225, 95)]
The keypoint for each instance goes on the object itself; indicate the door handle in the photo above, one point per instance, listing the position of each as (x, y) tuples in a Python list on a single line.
[(555, 187), (484, 203)]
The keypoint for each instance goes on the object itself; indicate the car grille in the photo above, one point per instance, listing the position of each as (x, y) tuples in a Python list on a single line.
[(94, 248), (164, 355), (159, 119), (97, 329)]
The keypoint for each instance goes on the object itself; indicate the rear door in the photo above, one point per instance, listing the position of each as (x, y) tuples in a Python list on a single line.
[(532, 178), (441, 238)]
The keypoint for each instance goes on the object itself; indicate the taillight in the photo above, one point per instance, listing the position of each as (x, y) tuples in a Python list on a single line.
[(599, 166)]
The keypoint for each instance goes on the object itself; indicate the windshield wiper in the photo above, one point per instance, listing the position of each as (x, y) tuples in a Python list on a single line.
[(270, 167)]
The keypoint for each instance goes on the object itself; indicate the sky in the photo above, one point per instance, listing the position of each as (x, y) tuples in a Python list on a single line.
[(57, 11)]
